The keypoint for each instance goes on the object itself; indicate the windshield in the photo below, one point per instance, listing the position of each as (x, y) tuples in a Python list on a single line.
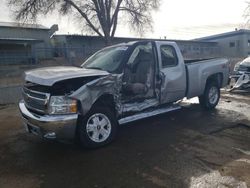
[(107, 59)]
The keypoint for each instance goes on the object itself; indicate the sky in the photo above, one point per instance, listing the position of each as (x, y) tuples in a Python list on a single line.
[(176, 19)]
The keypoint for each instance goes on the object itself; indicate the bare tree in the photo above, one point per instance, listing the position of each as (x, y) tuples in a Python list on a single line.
[(99, 16), (246, 15)]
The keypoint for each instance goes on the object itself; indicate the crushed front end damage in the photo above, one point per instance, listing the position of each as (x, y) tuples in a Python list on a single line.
[(242, 82), (89, 93), (50, 102), (63, 126)]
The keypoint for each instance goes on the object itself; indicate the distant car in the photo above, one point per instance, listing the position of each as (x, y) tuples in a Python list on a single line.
[(241, 75), (242, 66)]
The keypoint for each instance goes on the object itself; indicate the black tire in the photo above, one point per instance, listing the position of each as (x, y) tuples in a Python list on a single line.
[(209, 102), (85, 138)]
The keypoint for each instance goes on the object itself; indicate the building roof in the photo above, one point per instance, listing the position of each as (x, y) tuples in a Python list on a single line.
[(21, 40), (22, 25), (130, 38), (224, 35)]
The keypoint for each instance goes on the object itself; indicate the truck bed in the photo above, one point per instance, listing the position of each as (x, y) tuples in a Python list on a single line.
[(198, 71)]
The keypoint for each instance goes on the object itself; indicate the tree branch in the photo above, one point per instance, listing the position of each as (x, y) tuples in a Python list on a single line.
[(84, 16), (98, 16), (114, 19)]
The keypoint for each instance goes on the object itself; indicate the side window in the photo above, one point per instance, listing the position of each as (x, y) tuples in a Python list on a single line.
[(168, 56)]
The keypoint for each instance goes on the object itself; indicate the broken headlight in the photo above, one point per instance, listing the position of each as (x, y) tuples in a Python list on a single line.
[(62, 105)]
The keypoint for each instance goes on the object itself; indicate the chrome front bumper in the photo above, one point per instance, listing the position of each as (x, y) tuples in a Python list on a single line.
[(49, 126)]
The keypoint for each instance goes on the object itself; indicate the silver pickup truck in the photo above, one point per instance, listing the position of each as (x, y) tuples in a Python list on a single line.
[(116, 85)]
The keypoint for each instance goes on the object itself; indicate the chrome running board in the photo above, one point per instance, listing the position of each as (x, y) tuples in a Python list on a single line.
[(148, 114)]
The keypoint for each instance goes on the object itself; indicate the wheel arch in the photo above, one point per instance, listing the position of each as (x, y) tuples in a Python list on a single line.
[(213, 80), (106, 99), (216, 78)]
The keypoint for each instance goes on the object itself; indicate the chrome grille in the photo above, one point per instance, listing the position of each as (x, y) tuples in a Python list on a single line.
[(35, 100)]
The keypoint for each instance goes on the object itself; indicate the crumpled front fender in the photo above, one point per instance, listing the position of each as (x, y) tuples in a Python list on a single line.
[(89, 93)]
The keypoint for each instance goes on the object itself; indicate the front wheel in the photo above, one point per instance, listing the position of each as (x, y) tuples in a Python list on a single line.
[(98, 128), (211, 96)]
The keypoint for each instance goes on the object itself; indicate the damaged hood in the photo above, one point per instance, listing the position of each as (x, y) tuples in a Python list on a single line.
[(50, 75)]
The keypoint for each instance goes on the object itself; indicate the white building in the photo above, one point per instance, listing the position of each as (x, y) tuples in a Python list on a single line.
[(19, 41), (235, 44)]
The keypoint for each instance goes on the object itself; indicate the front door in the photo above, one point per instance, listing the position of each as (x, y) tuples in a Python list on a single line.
[(138, 92)]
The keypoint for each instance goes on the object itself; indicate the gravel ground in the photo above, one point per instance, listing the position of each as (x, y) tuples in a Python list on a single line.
[(187, 148)]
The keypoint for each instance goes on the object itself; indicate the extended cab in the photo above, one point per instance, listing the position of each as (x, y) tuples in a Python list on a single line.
[(116, 85)]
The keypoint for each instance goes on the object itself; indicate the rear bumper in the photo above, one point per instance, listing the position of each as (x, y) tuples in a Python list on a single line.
[(49, 126)]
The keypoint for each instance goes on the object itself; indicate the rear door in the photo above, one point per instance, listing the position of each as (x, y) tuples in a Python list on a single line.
[(172, 72)]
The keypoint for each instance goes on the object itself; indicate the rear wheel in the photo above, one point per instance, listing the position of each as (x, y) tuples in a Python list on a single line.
[(211, 96), (98, 128)]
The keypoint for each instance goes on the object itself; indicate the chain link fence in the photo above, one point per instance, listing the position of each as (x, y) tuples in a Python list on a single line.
[(38, 55), (13, 64), (15, 57)]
